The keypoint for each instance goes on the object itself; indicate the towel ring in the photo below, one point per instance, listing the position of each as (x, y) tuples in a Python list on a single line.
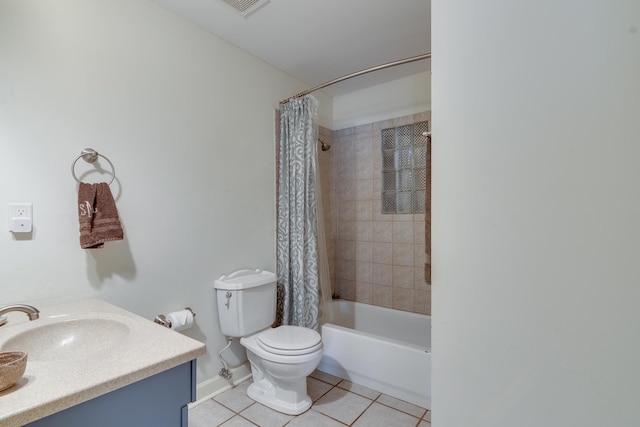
[(90, 155)]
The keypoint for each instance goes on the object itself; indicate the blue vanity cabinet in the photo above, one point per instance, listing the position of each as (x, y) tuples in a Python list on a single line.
[(158, 401)]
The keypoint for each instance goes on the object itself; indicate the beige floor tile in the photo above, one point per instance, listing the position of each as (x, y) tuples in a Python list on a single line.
[(359, 389), (338, 403), (401, 405), (236, 398), (316, 388), (312, 418), (238, 421), (208, 414), (342, 405), (378, 415), (265, 417), (327, 378)]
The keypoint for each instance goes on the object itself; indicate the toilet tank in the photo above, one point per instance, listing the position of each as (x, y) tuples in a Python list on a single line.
[(246, 301)]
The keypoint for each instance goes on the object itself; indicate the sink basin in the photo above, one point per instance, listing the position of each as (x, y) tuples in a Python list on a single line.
[(68, 339)]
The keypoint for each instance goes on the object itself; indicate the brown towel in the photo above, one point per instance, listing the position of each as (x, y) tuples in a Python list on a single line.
[(98, 216)]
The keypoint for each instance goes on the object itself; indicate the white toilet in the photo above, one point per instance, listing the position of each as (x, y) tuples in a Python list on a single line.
[(281, 358)]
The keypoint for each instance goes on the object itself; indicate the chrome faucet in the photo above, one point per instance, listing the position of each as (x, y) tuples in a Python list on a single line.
[(29, 310)]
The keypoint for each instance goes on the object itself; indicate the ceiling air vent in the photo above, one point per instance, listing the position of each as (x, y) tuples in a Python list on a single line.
[(246, 7)]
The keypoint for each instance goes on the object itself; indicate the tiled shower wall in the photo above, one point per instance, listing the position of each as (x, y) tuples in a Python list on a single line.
[(374, 258)]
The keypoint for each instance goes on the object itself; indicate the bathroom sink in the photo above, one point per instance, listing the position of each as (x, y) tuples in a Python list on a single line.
[(83, 351), (65, 338)]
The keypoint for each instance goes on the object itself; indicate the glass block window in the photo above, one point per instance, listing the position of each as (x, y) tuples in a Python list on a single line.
[(404, 174)]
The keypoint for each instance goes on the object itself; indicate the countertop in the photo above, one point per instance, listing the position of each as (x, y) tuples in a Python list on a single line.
[(48, 387)]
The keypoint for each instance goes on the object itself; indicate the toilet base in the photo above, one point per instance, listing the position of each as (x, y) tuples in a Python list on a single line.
[(280, 381), (266, 395)]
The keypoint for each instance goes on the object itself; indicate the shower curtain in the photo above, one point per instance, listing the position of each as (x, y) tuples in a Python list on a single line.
[(300, 259)]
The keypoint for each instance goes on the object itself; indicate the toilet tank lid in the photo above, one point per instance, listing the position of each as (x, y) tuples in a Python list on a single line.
[(245, 279)]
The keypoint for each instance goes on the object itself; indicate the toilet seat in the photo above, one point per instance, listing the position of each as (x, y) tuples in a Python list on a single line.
[(290, 340)]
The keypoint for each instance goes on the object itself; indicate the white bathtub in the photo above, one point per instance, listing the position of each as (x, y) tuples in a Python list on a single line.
[(380, 348)]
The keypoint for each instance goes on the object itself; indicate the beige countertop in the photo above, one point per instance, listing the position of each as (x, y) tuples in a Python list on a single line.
[(50, 386)]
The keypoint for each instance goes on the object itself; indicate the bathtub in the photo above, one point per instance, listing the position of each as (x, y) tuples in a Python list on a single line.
[(380, 348)]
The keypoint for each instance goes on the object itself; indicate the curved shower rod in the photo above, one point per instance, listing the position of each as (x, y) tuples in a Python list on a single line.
[(359, 73)]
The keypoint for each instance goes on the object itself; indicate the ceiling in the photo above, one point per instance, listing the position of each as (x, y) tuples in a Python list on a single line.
[(318, 41)]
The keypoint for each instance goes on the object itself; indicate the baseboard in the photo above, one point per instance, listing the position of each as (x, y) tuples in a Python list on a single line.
[(214, 386)]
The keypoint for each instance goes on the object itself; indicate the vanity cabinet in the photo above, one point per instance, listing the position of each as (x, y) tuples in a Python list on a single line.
[(158, 401)]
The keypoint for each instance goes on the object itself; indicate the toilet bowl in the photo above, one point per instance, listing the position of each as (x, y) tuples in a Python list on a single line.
[(281, 359)]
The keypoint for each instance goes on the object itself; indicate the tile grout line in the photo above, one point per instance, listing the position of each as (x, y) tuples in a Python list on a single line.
[(380, 394), (362, 413), (334, 386)]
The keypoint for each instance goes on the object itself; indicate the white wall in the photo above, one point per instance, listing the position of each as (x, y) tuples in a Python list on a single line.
[(536, 210), (401, 97), (188, 122)]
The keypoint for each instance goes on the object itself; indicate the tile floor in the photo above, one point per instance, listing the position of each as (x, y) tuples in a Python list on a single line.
[(336, 403)]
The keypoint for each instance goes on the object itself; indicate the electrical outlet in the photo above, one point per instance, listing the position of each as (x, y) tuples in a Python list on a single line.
[(16, 210)]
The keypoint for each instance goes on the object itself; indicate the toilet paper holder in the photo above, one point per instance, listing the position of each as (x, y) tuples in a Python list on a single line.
[(161, 319)]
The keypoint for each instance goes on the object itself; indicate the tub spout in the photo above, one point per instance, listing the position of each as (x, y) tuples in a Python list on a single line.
[(29, 310)]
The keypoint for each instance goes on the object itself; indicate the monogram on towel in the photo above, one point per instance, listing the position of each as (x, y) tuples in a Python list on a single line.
[(98, 216)]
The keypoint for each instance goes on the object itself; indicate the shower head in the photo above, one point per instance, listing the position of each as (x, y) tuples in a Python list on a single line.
[(325, 146)]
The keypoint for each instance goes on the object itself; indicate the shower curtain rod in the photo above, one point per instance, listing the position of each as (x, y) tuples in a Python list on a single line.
[(359, 73)]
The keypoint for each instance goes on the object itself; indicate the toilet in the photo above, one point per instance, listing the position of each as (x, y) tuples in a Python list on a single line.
[(281, 358)]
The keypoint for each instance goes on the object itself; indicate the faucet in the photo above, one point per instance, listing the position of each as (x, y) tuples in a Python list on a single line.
[(29, 310)]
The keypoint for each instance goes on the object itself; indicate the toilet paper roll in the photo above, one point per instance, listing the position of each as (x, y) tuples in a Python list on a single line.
[(180, 320)]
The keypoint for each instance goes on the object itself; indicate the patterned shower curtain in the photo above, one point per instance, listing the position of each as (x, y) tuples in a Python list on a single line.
[(297, 235)]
